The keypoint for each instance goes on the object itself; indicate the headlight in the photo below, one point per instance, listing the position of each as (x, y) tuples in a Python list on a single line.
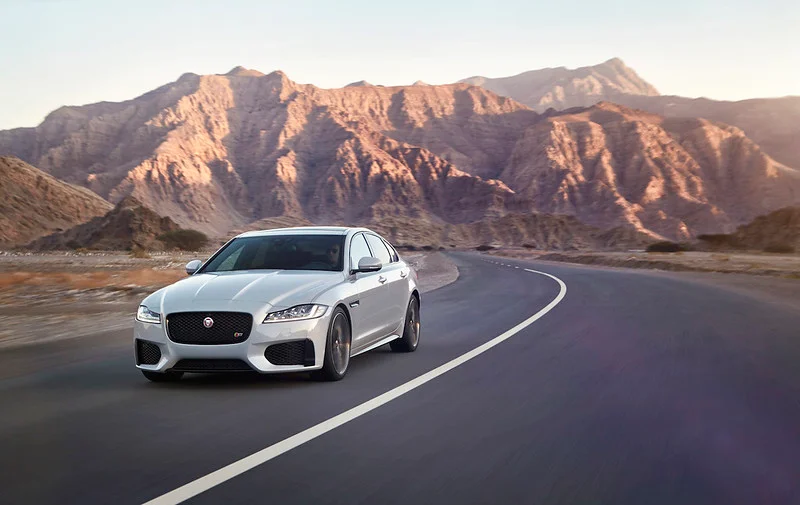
[(146, 315), (300, 312)]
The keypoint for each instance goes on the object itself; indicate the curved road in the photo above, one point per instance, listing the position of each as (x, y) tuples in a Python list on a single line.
[(635, 388)]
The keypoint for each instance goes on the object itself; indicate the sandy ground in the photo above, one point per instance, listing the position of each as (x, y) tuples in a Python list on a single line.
[(47, 297)]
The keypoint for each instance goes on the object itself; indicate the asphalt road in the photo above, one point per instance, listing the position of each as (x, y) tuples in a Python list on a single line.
[(636, 388)]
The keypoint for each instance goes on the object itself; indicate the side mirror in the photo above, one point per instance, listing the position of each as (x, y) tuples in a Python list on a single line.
[(369, 264), (193, 266)]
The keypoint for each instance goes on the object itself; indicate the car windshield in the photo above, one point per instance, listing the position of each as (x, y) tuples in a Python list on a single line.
[(280, 252)]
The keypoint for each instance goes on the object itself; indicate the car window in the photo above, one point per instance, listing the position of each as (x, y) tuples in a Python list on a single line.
[(358, 250), (392, 252), (230, 261), (279, 252), (379, 249)]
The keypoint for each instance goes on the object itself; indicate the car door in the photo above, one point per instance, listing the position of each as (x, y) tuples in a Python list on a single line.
[(366, 313), (395, 297), (402, 284)]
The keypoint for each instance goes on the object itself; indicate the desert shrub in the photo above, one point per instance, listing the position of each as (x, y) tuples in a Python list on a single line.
[(529, 246), (441, 248), (138, 252), (186, 240), (716, 238), (666, 247), (73, 244), (484, 247), (718, 241), (779, 249), (427, 248)]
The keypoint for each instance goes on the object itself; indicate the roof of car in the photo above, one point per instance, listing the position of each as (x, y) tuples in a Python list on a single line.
[(304, 230)]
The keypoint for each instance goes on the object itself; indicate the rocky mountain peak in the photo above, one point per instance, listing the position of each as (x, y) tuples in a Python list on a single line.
[(244, 72), (563, 88)]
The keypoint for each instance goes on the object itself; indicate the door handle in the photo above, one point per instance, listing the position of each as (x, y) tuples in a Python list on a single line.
[(381, 279), (403, 274)]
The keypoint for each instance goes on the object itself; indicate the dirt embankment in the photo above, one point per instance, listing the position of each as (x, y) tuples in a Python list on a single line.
[(779, 265)]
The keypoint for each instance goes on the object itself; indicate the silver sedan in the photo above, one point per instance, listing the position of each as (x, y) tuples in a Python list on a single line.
[(286, 300)]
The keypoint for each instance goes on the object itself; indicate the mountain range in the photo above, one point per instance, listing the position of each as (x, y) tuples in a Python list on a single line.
[(219, 152), (773, 123)]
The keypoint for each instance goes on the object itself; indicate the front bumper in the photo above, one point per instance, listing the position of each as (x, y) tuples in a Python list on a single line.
[(251, 351)]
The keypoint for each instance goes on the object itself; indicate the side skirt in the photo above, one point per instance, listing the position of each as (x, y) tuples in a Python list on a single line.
[(377, 344)]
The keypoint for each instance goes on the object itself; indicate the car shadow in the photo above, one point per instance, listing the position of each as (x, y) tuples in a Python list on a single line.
[(361, 364)]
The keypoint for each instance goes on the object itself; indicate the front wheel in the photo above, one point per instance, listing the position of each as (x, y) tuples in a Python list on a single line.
[(410, 339), (162, 376), (337, 348)]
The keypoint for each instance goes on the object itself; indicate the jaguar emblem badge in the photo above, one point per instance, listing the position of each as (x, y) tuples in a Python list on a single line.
[(208, 322)]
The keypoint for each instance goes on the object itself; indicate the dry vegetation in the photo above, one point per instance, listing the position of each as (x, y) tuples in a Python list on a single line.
[(42, 279), (50, 296), (143, 277)]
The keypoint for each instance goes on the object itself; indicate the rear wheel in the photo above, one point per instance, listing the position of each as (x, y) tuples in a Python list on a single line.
[(337, 348), (162, 376), (410, 339)]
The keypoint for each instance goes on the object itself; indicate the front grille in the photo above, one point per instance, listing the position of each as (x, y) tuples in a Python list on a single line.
[(227, 328), (299, 352), (147, 353), (211, 365)]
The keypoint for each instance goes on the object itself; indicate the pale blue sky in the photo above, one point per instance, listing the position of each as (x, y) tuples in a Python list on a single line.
[(71, 52)]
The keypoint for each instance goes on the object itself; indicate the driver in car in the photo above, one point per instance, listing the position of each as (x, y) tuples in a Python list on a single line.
[(333, 255)]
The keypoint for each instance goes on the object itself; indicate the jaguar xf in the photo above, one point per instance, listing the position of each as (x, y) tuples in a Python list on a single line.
[(286, 300)]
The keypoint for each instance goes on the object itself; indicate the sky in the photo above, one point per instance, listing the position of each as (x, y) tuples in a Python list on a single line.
[(73, 52)]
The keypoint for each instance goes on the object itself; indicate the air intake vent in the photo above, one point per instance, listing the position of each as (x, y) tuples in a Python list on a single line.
[(211, 365), (209, 328), (147, 353), (299, 352)]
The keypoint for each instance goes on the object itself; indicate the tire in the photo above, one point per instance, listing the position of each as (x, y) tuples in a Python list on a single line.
[(162, 376), (411, 329), (337, 348)]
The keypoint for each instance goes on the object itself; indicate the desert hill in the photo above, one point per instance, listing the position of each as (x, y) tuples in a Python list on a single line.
[(34, 203)]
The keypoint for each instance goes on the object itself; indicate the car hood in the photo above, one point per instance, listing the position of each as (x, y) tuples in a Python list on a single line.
[(278, 288)]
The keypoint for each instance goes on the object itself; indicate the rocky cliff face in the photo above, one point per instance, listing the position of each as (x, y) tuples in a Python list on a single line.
[(674, 178), (217, 152), (563, 88), (772, 123), (33, 203)]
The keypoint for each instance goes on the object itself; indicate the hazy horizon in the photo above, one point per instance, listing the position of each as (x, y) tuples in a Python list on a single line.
[(80, 51)]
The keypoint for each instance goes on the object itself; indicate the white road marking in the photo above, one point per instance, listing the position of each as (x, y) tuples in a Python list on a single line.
[(237, 468)]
